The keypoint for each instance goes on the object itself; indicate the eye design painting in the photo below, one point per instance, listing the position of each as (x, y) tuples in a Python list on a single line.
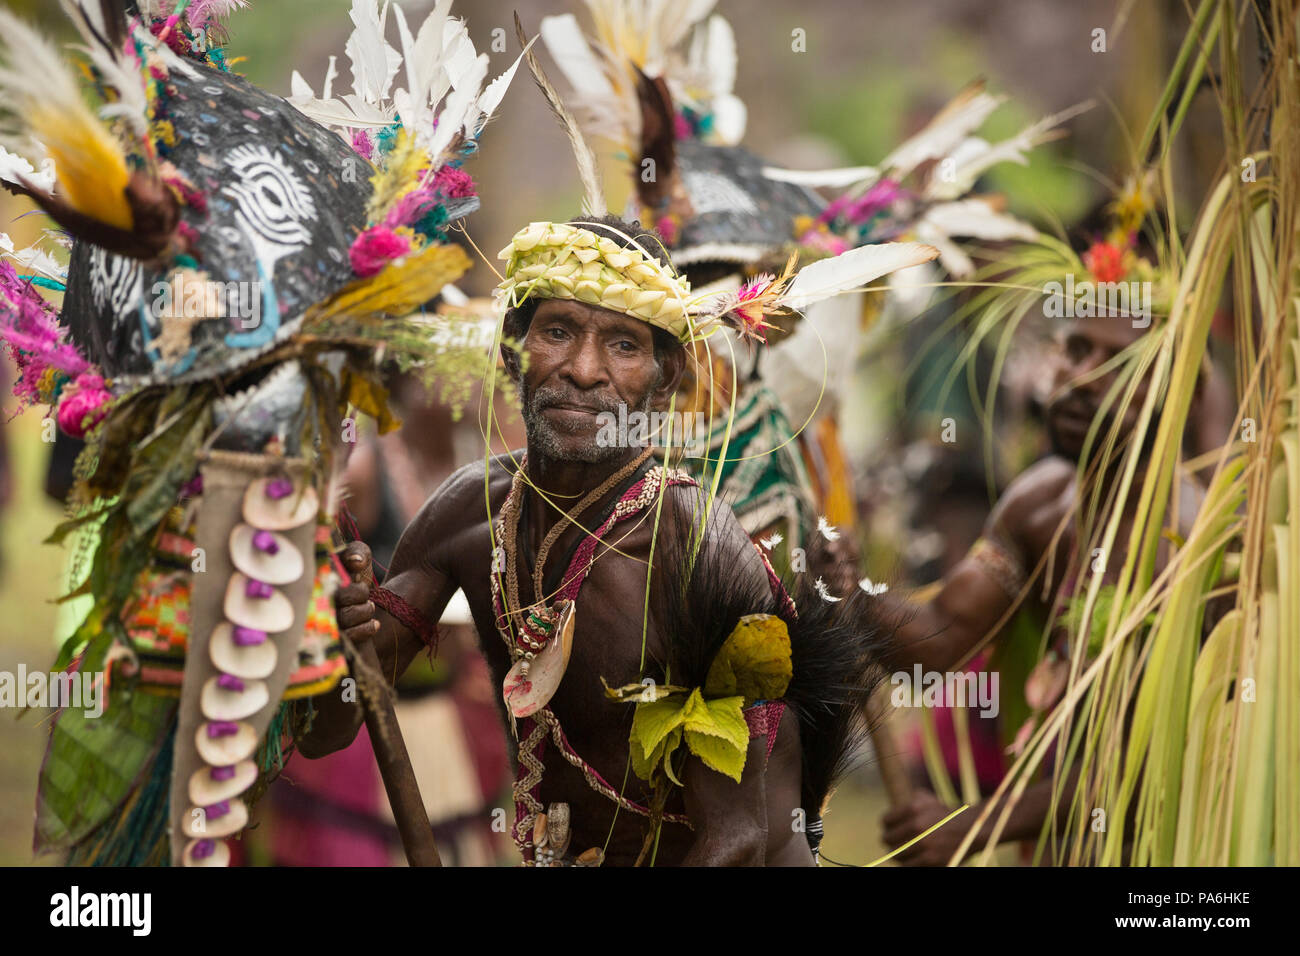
[(272, 202)]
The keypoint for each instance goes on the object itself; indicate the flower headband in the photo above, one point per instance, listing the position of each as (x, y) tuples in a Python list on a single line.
[(553, 260)]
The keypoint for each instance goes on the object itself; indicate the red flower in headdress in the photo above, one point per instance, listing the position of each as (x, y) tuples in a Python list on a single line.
[(1105, 261)]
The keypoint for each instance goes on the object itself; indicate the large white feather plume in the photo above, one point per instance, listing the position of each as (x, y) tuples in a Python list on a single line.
[(442, 92), (853, 270)]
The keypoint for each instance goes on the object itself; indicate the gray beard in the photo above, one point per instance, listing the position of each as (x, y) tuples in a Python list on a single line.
[(543, 435)]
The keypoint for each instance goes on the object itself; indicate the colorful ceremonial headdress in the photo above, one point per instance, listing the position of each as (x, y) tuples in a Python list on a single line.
[(655, 80), (567, 261), (237, 264)]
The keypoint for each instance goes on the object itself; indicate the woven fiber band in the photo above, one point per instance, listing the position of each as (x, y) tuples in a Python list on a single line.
[(552, 260)]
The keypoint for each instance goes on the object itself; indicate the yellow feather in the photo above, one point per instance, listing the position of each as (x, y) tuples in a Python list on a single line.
[(88, 162), (401, 288), (40, 92)]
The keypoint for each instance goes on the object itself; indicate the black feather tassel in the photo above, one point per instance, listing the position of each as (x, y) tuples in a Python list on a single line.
[(838, 649)]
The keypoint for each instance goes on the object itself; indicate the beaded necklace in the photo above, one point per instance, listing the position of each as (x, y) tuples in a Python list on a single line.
[(533, 731)]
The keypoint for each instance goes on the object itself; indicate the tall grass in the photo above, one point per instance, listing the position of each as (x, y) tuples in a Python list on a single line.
[(1187, 746)]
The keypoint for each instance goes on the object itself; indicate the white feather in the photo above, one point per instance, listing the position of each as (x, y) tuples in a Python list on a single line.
[(331, 74), (16, 169), (951, 256), (676, 18), (828, 178), (496, 91), (720, 55), (351, 112), (975, 155), (422, 53), (772, 541), (171, 62), (458, 53), (824, 591), (573, 55), (459, 103), (34, 258), (943, 133), (299, 88), (826, 529), (975, 217), (374, 62), (127, 81), (38, 74), (852, 270), (729, 119)]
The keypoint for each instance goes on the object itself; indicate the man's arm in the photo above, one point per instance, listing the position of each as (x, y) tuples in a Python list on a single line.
[(416, 577), (982, 587), (730, 819)]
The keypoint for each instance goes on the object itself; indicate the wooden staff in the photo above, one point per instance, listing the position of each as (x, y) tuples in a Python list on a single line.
[(390, 753)]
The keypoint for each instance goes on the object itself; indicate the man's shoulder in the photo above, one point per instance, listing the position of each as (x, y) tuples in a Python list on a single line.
[(1041, 483), (724, 535), (466, 482)]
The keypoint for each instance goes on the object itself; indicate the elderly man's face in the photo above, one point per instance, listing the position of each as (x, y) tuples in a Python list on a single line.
[(1077, 391), (584, 360)]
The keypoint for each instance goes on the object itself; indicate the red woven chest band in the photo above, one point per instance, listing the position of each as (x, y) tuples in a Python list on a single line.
[(408, 616)]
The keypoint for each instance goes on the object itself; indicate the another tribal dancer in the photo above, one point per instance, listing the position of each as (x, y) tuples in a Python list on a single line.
[(235, 269), (1036, 554)]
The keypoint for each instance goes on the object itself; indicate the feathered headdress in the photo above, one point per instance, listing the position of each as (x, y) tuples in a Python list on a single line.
[(922, 188), (565, 260), (655, 79), (416, 136)]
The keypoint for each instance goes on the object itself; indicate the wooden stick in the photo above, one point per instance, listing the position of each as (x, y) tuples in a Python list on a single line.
[(394, 762), (399, 776)]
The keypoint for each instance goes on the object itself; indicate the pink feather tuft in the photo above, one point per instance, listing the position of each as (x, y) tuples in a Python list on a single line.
[(83, 405), (200, 12), (375, 248), (362, 144), (408, 209), (29, 327), (454, 183)]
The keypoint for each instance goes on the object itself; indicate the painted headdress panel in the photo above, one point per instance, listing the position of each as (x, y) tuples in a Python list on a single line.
[(283, 198)]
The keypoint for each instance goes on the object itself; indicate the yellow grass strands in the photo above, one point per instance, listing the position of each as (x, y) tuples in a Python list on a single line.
[(1171, 746)]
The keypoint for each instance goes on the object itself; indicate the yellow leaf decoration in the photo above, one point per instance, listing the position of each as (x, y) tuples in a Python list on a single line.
[(372, 398), (753, 662), (714, 730), (718, 754), (654, 721)]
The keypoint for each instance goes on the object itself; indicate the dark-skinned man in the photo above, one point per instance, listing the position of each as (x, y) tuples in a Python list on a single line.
[(575, 520), (1030, 535)]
